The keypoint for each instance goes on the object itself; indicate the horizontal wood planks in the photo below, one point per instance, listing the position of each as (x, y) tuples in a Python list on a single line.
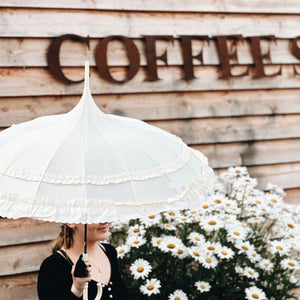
[(32, 52), (39, 81), (241, 121), (54, 22), (240, 6)]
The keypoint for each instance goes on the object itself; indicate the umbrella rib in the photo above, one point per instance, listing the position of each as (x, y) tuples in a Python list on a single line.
[(113, 147)]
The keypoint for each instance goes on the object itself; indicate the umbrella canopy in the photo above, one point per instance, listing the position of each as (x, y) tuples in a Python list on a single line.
[(86, 166)]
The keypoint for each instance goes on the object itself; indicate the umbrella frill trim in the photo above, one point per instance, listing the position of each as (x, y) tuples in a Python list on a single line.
[(101, 210), (178, 163)]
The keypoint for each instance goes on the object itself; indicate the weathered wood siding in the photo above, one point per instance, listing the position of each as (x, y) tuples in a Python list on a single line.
[(241, 121)]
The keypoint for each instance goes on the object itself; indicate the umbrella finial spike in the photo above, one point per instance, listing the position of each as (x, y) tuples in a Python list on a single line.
[(87, 76)]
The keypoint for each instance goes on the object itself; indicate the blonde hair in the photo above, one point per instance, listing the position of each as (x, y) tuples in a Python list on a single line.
[(64, 238)]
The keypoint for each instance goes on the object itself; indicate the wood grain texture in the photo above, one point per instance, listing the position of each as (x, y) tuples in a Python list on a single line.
[(255, 6), (251, 153), (221, 130), (19, 287), (54, 22), (159, 106), (39, 81), (23, 258), (25, 230), (293, 197), (286, 176), (32, 52)]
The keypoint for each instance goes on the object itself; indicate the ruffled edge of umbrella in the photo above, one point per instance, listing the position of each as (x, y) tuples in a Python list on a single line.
[(50, 178), (48, 209)]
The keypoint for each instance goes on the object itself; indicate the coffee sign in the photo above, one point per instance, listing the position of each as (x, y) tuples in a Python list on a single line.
[(225, 55)]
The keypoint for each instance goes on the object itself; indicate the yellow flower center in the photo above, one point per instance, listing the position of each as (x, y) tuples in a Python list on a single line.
[(140, 269), (255, 296), (279, 248), (177, 298), (218, 201), (266, 264), (258, 202), (136, 230), (150, 287), (205, 206), (291, 235), (224, 252), (212, 222), (202, 287), (196, 253), (197, 238), (245, 248), (263, 209), (171, 246), (158, 242), (254, 254), (171, 213), (208, 260), (180, 251), (210, 248), (227, 217), (121, 251), (236, 233), (151, 217), (244, 197), (169, 225), (291, 264), (193, 212), (251, 273), (291, 225), (136, 242), (183, 219), (237, 171), (274, 200), (253, 211)]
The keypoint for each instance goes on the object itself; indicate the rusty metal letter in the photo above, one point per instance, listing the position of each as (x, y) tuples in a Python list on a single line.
[(296, 52), (187, 56), (225, 56), (258, 56), (53, 56), (151, 56), (102, 63)]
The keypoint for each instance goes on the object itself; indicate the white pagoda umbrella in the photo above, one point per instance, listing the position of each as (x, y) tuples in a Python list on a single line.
[(86, 166)]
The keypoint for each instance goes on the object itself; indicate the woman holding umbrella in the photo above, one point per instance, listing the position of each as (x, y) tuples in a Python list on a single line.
[(57, 277)]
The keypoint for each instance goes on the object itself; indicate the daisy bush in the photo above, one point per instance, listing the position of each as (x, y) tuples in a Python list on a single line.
[(241, 243)]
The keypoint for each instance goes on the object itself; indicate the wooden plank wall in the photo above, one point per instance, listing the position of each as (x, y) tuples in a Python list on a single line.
[(240, 121)]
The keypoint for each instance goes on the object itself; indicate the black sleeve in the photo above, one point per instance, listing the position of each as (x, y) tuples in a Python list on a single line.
[(55, 279)]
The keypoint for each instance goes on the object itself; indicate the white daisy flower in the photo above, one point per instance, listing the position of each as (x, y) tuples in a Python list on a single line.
[(254, 293), (140, 268), (116, 226), (293, 279), (244, 246), (151, 220), (172, 215), (136, 229), (178, 295), (266, 264), (170, 244), (151, 287), (168, 226), (202, 286), (122, 250), (196, 253), (156, 241), (196, 238), (290, 264), (224, 252), (253, 256), (184, 220), (274, 199), (181, 252), (211, 223), (208, 261), (211, 247), (235, 232), (250, 273), (237, 172), (135, 241), (256, 220), (280, 247)]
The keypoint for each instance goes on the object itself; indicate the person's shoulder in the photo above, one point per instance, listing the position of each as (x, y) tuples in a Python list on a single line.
[(53, 261), (109, 248)]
